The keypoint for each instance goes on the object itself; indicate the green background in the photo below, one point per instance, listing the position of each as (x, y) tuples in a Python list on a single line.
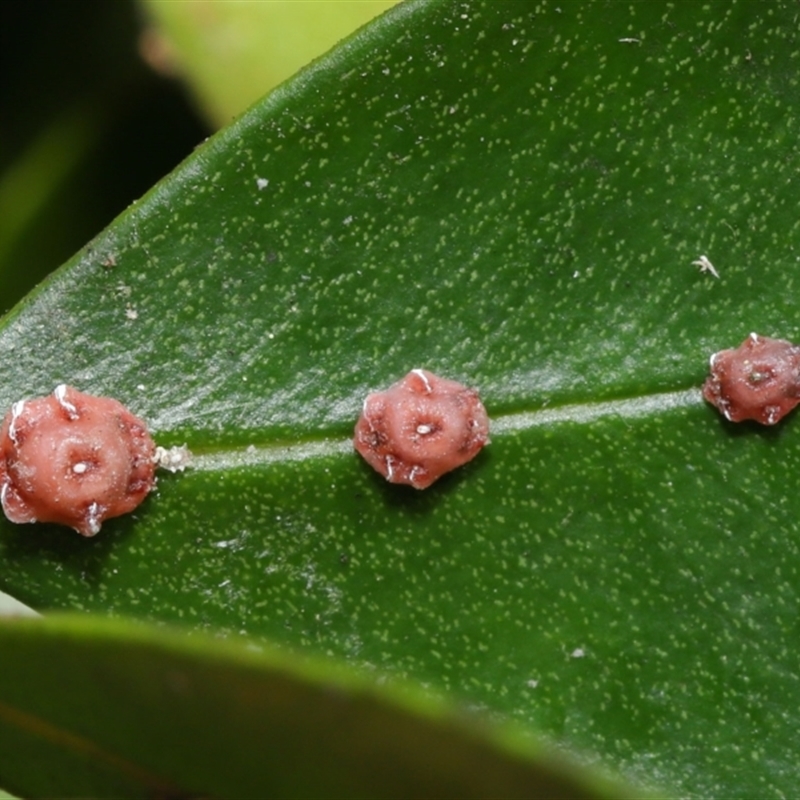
[(512, 195)]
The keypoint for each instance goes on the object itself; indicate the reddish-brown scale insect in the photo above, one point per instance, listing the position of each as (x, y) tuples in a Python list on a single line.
[(420, 428), (758, 380), (73, 459)]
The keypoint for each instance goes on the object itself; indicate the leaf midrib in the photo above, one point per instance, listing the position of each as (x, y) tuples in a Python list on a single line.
[(213, 460)]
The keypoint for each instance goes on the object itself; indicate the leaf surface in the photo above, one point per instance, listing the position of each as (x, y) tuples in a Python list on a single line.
[(510, 195), (214, 720)]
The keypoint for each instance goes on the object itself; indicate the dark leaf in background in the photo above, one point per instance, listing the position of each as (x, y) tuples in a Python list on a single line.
[(85, 128)]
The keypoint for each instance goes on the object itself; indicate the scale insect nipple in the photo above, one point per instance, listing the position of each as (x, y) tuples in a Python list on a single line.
[(73, 459), (420, 428)]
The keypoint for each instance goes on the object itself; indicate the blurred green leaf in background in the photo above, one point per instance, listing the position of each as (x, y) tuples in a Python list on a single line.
[(232, 53), (85, 129)]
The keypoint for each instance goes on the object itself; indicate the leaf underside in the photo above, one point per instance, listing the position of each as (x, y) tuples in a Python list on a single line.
[(511, 195), (210, 720)]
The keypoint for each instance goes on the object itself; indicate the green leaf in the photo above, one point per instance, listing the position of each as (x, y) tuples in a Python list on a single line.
[(125, 711), (10, 607), (511, 195), (231, 53)]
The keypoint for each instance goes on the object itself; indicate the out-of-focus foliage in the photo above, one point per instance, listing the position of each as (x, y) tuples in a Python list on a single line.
[(215, 719), (9, 607), (231, 53), (85, 129)]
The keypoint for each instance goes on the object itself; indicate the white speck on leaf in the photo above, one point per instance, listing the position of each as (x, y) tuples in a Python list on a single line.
[(175, 459), (262, 183), (705, 266)]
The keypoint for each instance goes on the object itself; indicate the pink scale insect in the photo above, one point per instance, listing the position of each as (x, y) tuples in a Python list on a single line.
[(75, 459), (420, 428), (759, 380)]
